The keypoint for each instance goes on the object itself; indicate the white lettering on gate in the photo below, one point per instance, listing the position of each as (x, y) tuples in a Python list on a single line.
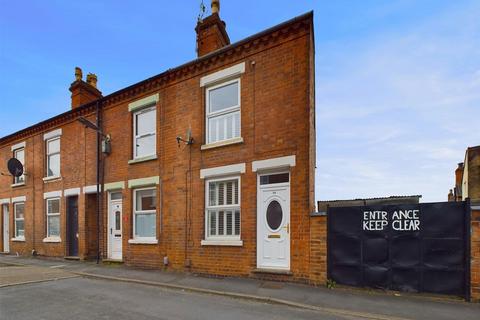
[(402, 220), (374, 220), (406, 220)]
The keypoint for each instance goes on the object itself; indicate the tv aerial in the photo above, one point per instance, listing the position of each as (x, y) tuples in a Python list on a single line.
[(188, 139), (202, 11)]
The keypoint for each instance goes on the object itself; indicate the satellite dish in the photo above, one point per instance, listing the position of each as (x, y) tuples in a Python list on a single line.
[(15, 167)]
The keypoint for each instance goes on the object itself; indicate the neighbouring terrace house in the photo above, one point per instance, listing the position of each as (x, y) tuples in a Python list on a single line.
[(467, 178), (206, 167)]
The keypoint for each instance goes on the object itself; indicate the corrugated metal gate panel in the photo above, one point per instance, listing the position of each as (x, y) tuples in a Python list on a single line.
[(414, 248)]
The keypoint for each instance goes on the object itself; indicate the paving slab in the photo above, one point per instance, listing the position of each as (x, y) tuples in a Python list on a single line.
[(14, 275)]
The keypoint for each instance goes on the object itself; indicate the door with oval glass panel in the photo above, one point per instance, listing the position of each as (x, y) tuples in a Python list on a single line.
[(273, 221), (115, 226)]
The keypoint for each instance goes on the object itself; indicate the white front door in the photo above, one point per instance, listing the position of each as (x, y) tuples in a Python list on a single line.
[(273, 221), (6, 228), (115, 226)]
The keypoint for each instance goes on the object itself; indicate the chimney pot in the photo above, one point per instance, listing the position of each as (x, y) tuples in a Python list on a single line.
[(215, 6), (92, 79), (78, 74)]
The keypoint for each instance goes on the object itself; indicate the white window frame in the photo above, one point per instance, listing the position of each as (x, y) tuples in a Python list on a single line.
[(16, 180), (147, 108), (48, 214), (17, 236), (48, 154), (223, 112), (221, 238), (135, 237)]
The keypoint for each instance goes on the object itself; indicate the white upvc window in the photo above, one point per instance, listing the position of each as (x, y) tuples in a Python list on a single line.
[(145, 132), (223, 111), (19, 216), (53, 217), (53, 157), (19, 154), (222, 212), (144, 214)]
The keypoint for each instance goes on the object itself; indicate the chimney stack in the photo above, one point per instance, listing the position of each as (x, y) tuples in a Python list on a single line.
[(84, 92), (211, 32), (458, 182)]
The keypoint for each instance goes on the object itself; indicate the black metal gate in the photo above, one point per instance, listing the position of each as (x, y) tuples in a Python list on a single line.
[(415, 248)]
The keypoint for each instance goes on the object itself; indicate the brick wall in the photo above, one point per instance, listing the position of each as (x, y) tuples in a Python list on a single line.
[(318, 250), (475, 257)]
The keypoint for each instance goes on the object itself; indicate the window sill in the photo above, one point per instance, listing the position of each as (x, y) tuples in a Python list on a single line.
[(52, 240), (143, 241), (142, 159), (227, 243), (19, 184), (52, 178), (19, 239), (221, 143)]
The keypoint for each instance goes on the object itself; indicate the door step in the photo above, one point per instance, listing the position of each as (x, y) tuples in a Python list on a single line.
[(273, 271), (112, 261), (71, 258)]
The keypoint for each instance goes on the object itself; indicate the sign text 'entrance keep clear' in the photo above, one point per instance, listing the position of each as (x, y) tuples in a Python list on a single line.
[(400, 220)]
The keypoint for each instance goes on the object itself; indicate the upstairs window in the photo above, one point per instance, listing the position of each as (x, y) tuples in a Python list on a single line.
[(223, 111), (19, 154), (53, 157), (145, 132)]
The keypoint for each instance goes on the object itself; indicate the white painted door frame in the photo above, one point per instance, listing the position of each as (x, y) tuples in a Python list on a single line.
[(273, 246), (114, 235), (6, 227)]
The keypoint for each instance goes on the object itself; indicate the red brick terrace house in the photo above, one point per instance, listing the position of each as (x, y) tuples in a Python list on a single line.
[(231, 196)]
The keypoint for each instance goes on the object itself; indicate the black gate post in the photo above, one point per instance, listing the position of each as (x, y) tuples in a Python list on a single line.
[(468, 228)]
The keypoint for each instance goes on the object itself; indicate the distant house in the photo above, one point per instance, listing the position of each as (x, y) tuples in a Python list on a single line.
[(467, 178)]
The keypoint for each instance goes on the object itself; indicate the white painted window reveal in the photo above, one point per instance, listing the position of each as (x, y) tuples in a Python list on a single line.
[(144, 213), (19, 215), (53, 217), (223, 111), (53, 157), (145, 132), (19, 154), (222, 214)]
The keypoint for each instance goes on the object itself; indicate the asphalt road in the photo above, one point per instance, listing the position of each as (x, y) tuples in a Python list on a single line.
[(82, 298)]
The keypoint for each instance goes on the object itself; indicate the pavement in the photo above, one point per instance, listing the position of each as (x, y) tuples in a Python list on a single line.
[(337, 303)]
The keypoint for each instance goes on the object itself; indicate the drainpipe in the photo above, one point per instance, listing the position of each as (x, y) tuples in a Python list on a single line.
[(98, 141)]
